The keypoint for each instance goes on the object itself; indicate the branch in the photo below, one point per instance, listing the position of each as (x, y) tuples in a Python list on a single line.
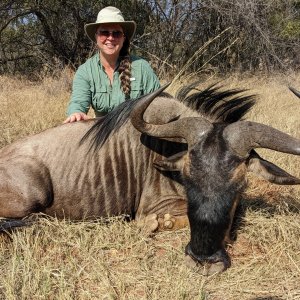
[(25, 13), (154, 56), (162, 11), (58, 49), (198, 53), (15, 58)]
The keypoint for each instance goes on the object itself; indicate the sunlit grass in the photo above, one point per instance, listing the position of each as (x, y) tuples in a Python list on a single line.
[(58, 259)]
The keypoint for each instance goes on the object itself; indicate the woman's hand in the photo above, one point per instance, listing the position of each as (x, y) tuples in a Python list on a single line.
[(78, 116)]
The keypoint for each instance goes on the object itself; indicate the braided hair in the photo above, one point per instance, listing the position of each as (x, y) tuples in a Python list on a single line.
[(125, 69)]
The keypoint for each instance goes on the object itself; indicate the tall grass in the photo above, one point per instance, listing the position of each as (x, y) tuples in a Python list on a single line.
[(111, 259)]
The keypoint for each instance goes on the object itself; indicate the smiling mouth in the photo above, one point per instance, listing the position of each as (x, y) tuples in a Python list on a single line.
[(110, 45)]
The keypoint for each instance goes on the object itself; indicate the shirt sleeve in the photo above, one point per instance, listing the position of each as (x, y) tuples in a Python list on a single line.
[(150, 80), (81, 97)]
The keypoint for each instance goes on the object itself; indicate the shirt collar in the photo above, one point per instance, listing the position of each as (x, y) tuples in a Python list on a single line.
[(101, 66)]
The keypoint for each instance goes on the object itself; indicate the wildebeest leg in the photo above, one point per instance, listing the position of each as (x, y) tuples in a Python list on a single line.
[(169, 213), (228, 239), (9, 225), (148, 224), (25, 187), (153, 222), (170, 222)]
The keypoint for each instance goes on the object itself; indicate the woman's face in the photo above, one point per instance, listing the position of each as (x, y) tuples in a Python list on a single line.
[(110, 39)]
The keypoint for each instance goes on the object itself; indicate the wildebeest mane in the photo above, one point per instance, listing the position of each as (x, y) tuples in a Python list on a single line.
[(106, 125), (226, 106)]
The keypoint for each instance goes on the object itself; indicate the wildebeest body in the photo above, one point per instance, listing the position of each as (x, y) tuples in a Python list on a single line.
[(190, 156), (50, 172)]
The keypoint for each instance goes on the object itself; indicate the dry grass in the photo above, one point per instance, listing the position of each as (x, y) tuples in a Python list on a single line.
[(29, 108), (113, 260)]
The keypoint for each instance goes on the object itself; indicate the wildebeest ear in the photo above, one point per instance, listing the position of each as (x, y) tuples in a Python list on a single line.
[(172, 163), (269, 171)]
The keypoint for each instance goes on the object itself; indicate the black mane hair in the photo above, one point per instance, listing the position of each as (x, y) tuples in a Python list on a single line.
[(226, 106)]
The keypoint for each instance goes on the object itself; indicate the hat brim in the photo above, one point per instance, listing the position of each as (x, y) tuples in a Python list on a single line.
[(129, 28)]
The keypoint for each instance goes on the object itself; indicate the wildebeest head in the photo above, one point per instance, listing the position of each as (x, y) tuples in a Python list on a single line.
[(214, 167)]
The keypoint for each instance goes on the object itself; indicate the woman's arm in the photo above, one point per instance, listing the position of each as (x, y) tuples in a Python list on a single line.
[(81, 97), (150, 80)]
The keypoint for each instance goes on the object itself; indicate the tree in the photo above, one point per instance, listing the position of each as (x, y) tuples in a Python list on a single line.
[(244, 35), (42, 33)]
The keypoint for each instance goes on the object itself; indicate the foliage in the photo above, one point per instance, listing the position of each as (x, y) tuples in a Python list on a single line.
[(44, 34), (40, 35)]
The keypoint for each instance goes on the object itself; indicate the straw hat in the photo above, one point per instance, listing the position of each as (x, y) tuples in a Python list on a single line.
[(108, 15)]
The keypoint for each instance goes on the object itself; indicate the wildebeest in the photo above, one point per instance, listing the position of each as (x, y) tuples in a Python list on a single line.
[(296, 92), (154, 158)]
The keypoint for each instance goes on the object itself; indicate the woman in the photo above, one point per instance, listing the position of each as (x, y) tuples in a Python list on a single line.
[(112, 75)]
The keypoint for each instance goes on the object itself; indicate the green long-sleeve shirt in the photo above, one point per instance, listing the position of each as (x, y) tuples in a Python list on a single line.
[(91, 86)]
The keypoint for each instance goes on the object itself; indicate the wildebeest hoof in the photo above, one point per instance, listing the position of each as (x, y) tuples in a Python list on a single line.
[(149, 224), (169, 221), (152, 223), (205, 269)]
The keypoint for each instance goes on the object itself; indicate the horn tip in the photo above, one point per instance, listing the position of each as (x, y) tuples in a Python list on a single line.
[(296, 92)]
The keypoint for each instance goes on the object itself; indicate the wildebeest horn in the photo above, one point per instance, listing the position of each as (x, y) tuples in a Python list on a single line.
[(297, 93), (243, 136), (188, 128)]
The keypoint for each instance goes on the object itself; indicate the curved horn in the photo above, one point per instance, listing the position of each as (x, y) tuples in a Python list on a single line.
[(191, 129), (297, 93), (243, 136), (136, 114)]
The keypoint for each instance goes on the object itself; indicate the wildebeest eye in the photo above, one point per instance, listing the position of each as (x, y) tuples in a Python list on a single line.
[(174, 119)]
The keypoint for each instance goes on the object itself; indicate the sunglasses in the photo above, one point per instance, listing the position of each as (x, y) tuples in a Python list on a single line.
[(106, 33)]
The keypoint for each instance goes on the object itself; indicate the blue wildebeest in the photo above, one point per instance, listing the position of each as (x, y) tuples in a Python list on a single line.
[(159, 159), (296, 92)]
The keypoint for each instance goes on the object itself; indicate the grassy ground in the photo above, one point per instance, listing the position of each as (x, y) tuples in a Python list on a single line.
[(113, 260)]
